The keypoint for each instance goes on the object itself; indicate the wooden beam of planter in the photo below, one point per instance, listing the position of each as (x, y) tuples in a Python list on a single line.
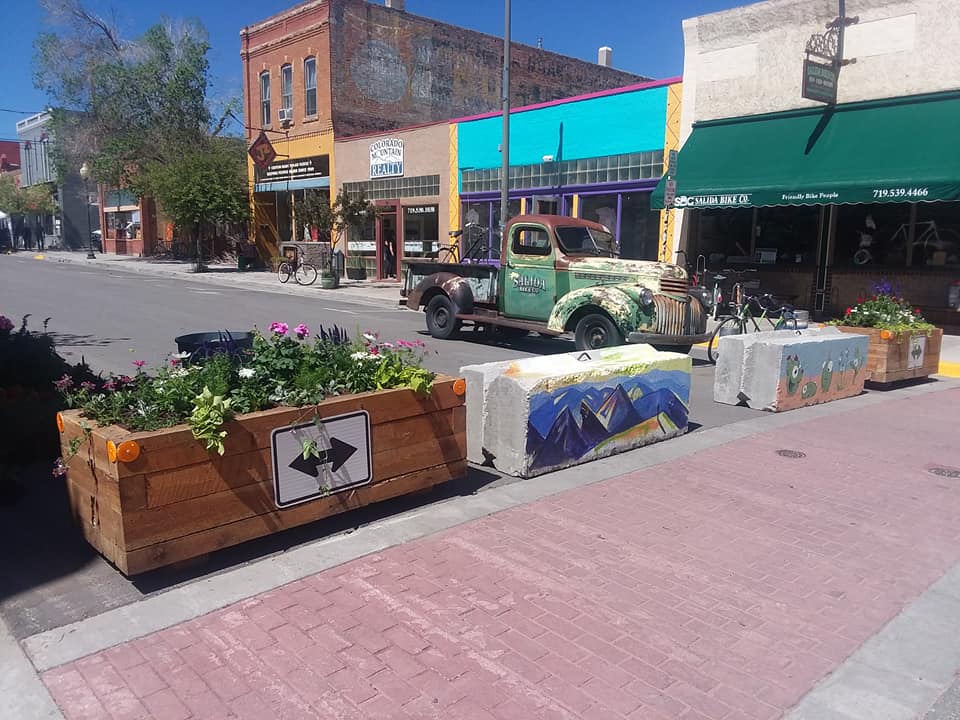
[(888, 359), (177, 500)]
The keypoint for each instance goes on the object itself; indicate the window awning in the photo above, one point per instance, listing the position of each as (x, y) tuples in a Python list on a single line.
[(899, 150)]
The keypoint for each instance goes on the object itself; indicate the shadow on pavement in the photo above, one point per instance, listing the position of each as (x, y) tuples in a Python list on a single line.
[(71, 340), (52, 577)]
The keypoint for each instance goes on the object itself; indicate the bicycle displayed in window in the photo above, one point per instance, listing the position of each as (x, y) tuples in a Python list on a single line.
[(751, 313), (294, 266), (928, 238)]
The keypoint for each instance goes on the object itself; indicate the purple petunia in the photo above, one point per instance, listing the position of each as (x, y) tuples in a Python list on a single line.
[(301, 331), (279, 328)]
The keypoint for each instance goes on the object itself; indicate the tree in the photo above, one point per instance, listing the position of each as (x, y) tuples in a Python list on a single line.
[(21, 202), (201, 186), (336, 220), (120, 103)]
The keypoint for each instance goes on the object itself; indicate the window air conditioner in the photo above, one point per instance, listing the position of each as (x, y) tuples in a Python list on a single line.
[(286, 114)]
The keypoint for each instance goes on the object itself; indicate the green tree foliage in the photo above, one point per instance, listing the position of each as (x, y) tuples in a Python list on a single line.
[(33, 200), (334, 220)]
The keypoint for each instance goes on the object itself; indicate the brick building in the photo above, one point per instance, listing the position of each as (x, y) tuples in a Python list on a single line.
[(329, 68)]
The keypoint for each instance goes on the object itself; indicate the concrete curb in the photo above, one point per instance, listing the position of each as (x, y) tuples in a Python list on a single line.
[(22, 695), (61, 645), (382, 297)]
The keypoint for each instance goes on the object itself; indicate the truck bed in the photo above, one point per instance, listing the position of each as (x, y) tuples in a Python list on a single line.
[(483, 278)]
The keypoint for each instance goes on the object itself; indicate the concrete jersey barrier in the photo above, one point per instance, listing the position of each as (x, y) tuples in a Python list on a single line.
[(531, 416), (783, 370)]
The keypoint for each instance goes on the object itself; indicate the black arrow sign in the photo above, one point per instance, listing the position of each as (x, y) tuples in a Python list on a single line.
[(337, 455)]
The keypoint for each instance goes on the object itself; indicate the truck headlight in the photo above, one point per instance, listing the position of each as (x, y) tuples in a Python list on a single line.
[(646, 297)]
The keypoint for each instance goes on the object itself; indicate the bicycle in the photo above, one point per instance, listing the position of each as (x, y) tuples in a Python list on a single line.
[(777, 316), (303, 272), (931, 238), (477, 250)]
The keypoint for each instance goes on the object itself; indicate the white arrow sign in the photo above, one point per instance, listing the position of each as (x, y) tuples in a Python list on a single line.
[(312, 460)]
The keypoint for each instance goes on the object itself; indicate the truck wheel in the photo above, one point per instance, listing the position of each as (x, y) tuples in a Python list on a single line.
[(441, 318), (597, 331)]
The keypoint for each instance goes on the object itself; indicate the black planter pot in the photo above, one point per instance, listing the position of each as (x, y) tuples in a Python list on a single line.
[(204, 344), (356, 273)]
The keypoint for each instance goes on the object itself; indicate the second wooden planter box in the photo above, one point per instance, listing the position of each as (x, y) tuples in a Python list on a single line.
[(900, 357), (177, 501)]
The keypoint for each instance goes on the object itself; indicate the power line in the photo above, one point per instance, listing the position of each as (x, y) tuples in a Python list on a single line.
[(21, 112)]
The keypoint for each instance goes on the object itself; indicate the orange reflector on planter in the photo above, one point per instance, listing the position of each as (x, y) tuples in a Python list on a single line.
[(885, 334), (59, 422), (459, 386), (128, 451), (111, 451)]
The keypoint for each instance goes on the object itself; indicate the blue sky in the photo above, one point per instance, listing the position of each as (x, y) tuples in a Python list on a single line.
[(645, 35)]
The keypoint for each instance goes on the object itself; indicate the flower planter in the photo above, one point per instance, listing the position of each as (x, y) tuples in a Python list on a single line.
[(356, 273), (900, 357), (178, 501)]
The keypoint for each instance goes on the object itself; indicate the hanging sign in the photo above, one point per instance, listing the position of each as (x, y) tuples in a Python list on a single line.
[(820, 82), (262, 151), (386, 158)]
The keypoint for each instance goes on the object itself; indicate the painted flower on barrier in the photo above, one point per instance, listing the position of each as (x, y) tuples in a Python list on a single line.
[(283, 368)]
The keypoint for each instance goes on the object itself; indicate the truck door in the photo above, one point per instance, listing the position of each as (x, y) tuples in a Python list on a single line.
[(530, 279)]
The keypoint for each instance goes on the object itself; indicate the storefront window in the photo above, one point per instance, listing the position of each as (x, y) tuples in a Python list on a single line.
[(629, 217), (362, 241), (786, 235), (421, 231), (873, 235), (937, 239), (723, 236)]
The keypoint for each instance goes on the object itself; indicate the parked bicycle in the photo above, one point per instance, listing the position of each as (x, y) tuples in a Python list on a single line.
[(301, 271), (476, 237), (751, 313), (928, 238)]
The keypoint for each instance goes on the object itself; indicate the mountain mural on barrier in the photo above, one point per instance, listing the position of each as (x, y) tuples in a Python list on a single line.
[(567, 423)]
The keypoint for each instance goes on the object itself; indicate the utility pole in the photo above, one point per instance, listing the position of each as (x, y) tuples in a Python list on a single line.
[(505, 142)]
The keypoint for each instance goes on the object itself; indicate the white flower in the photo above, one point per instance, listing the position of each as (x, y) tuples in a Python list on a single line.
[(179, 372), (246, 372), (364, 356), (369, 337), (180, 356)]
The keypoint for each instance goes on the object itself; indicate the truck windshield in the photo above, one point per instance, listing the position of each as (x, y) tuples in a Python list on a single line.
[(586, 241)]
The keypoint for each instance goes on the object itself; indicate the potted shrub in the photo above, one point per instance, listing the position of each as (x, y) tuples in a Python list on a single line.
[(902, 344), (356, 269), (172, 464)]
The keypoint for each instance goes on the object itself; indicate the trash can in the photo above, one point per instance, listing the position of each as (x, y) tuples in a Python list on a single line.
[(204, 344), (338, 262)]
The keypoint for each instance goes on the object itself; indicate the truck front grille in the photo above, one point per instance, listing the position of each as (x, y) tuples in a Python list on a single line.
[(671, 314)]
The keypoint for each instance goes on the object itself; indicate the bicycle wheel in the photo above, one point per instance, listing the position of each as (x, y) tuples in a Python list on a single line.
[(306, 274), (730, 326), (284, 271), (787, 321), (448, 254)]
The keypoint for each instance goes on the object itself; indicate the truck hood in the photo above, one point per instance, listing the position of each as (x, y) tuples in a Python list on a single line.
[(627, 271)]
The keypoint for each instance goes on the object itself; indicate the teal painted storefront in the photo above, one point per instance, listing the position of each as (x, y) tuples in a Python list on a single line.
[(572, 130), (595, 156)]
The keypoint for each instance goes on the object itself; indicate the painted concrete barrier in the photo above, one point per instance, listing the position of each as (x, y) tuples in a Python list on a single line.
[(784, 370), (534, 415)]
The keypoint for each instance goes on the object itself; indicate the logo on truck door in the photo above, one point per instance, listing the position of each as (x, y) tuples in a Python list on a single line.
[(528, 284)]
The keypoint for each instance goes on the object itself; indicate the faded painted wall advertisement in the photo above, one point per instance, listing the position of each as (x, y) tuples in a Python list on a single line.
[(386, 158)]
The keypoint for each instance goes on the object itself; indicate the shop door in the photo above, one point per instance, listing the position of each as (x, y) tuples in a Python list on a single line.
[(388, 263)]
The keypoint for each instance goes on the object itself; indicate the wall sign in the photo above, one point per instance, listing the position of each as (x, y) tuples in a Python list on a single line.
[(296, 169), (386, 158), (421, 210)]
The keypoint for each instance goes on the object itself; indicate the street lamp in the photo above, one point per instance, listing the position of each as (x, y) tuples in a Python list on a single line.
[(85, 176)]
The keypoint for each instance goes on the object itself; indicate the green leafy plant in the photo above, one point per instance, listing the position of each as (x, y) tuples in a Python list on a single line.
[(887, 310), (209, 414), (285, 367)]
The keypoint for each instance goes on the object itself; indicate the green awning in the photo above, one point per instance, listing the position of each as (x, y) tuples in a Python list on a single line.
[(901, 150)]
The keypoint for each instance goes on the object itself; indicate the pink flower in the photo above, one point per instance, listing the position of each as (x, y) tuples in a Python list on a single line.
[(64, 383), (138, 364), (125, 379), (5, 324), (110, 384), (374, 350), (279, 328), (301, 330), (88, 386), (174, 362), (387, 345)]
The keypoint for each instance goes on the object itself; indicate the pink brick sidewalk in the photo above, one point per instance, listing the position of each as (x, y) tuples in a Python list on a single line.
[(723, 586)]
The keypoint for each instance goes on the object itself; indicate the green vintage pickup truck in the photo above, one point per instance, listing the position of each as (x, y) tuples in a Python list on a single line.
[(558, 275)]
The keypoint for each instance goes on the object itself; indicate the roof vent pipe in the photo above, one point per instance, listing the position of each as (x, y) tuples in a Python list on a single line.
[(605, 56), (395, 4)]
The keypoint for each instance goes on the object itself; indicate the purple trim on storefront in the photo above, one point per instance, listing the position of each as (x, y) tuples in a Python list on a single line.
[(597, 189), (577, 98)]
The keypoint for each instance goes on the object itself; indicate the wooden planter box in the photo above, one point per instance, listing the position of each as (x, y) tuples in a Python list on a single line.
[(178, 501), (902, 357)]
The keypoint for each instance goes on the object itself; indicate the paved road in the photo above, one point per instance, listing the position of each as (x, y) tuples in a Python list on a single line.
[(111, 317)]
